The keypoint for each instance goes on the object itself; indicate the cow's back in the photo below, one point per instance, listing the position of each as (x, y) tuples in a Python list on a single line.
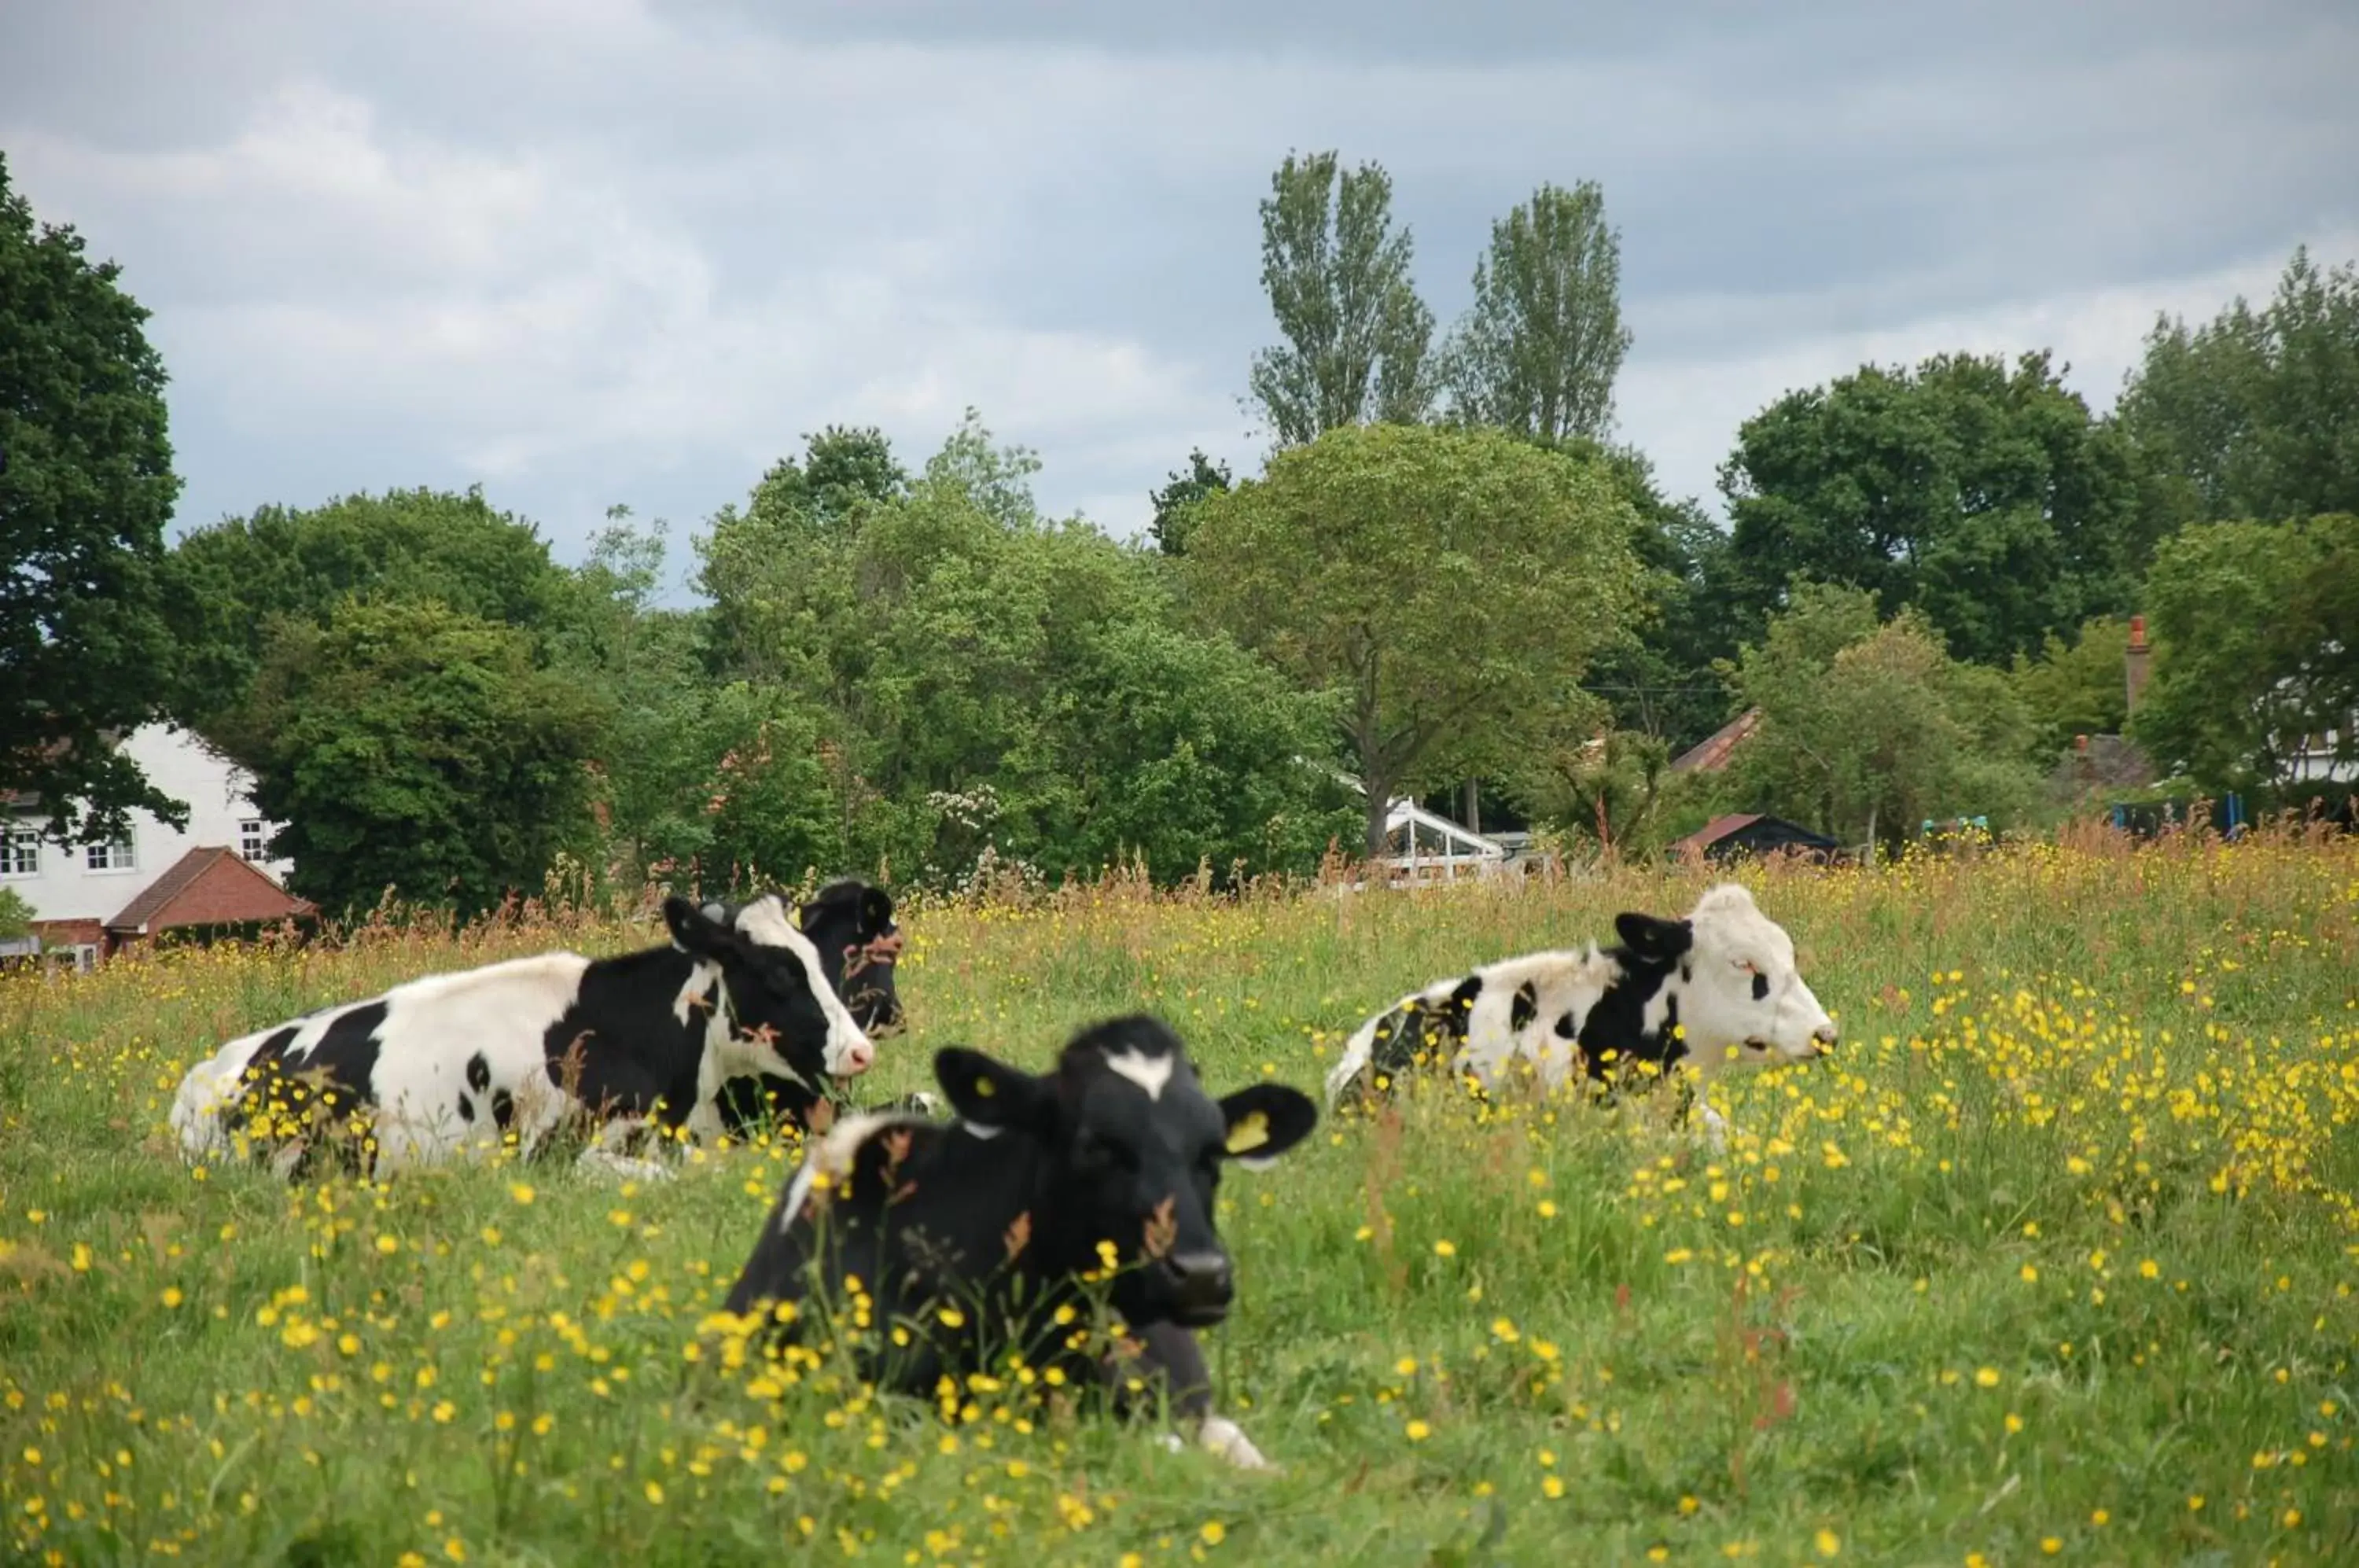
[(915, 1209), (430, 1064), (461, 1060)]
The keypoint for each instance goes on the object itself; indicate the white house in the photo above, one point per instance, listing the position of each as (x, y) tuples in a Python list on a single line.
[(92, 899)]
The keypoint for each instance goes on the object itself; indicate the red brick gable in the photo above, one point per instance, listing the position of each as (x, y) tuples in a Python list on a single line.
[(208, 885)]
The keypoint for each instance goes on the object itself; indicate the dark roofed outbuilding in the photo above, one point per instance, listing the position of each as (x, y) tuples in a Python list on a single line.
[(1751, 833)]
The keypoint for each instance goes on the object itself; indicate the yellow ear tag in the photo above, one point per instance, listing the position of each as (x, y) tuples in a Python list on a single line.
[(985, 1087), (1249, 1134)]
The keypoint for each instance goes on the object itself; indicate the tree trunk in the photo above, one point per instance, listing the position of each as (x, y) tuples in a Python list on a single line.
[(1379, 799), (1472, 815)]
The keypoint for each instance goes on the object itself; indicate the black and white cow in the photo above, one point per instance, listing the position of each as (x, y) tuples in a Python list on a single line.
[(997, 1213), (452, 1063), (1718, 989), (851, 924)]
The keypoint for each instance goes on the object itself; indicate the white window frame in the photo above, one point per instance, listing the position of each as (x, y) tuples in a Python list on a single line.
[(254, 841), (85, 957), (15, 841), (128, 859)]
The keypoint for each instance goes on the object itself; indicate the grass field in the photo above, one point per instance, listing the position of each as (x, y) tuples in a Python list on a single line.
[(2056, 1259)]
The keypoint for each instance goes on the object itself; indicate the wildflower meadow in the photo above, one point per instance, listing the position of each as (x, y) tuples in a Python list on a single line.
[(2054, 1259)]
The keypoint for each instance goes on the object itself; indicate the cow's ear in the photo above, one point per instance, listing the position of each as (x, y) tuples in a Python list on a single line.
[(875, 913), (704, 932), (991, 1094), (1265, 1121), (1652, 939)]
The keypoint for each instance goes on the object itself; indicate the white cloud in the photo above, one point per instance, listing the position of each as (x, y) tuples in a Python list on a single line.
[(534, 317)]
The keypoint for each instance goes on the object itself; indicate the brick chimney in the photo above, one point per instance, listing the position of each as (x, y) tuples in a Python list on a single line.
[(2134, 663)]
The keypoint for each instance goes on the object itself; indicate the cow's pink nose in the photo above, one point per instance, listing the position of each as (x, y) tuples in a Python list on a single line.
[(857, 1059)]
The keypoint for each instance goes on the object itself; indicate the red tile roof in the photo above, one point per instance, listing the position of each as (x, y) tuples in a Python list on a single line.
[(208, 885)]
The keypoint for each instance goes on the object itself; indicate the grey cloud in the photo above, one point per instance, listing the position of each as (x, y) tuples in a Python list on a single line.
[(588, 251)]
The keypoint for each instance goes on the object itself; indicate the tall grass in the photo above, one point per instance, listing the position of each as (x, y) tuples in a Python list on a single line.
[(2055, 1259)]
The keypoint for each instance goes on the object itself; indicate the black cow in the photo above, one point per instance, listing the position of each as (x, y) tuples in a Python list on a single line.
[(454, 1063), (851, 924), (1114, 1154)]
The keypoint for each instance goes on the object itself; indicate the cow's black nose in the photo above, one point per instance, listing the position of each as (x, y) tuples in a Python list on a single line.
[(1201, 1283)]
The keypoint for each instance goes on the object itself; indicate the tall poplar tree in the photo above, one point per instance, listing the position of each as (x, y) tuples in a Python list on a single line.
[(1358, 340)]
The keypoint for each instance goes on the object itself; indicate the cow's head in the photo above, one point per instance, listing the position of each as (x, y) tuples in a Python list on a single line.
[(786, 1017), (851, 923), (1134, 1148), (1730, 970)]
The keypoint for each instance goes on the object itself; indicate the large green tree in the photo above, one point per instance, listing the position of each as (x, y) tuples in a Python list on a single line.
[(1450, 584), (1539, 349), (1869, 727), (86, 486), (1358, 341), (993, 677), (2254, 414), (407, 745), (1981, 493), (1185, 747), (2256, 646), (233, 582), (2077, 687)]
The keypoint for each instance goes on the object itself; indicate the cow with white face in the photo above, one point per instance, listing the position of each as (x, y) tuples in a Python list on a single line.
[(851, 925), (458, 1065), (1715, 990)]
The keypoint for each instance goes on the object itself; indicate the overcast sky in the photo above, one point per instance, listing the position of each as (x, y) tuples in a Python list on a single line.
[(598, 251)]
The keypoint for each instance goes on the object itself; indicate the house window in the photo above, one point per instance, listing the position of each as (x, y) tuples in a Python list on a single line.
[(115, 856), (251, 841), (20, 852)]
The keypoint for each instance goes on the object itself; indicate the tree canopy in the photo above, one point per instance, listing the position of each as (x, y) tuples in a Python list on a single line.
[(1984, 495), (1539, 349), (2254, 414), (1358, 339), (412, 746), (989, 676), (1868, 727), (236, 582), (1450, 585), (1175, 502), (86, 486), (2256, 646)]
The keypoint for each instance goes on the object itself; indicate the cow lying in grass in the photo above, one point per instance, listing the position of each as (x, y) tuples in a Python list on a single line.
[(851, 925), (969, 1240), (462, 1063), (1718, 989)]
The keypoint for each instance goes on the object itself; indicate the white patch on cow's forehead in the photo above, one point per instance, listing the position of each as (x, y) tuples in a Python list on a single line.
[(1728, 918), (766, 921), (1150, 1072)]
